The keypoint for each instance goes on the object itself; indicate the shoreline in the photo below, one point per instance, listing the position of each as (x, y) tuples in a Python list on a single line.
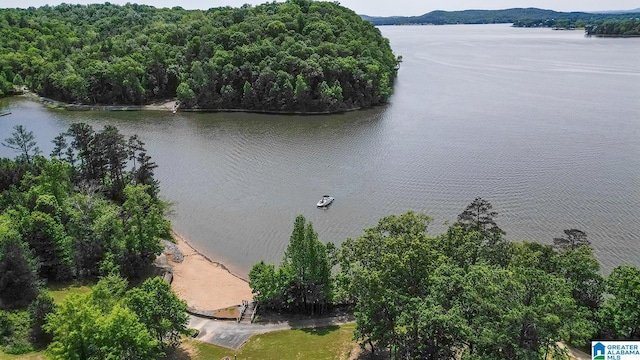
[(179, 238), (205, 285), (170, 105), (163, 105)]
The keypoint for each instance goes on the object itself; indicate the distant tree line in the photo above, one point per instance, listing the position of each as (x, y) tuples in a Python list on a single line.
[(465, 294), (527, 17), (300, 55), (89, 212), (440, 17)]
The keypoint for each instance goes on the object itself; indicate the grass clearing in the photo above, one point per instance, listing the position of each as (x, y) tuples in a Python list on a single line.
[(60, 292), (232, 312), (39, 355), (333, 342)]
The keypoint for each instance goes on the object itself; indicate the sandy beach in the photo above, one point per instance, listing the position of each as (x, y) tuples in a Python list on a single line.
[(205, 284)]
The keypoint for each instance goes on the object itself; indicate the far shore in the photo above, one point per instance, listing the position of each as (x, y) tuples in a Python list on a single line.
[(205, 284)]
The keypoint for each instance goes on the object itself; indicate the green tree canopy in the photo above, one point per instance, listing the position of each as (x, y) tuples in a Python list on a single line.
[(620, 315), (135, 54), (83, 330), (392, 271), (448, 297), (18, 269), (160, 310), (303, 282), (112, 323), (76, 216)]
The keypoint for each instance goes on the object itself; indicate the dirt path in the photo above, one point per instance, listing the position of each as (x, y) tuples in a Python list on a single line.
[(576, 354)]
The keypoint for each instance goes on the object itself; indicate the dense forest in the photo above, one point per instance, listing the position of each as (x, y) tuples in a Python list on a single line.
[(300, 55), (88, 213), (466, 294), (519, 17)]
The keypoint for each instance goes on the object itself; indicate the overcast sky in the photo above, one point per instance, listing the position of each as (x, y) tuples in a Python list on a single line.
[(373, 7)]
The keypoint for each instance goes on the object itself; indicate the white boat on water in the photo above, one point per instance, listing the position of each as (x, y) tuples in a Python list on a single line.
[(325, 201)]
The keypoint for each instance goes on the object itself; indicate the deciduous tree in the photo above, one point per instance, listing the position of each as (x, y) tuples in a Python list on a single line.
[(160, 310), (83, 330), (304, 281), (392, 269), (268, 285), (144, 226), (620, 315)]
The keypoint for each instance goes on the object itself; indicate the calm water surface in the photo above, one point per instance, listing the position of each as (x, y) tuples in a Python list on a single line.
[(544, 124)]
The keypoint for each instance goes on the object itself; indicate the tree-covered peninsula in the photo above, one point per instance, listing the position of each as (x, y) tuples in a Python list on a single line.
[(300, 55), (615, 28)]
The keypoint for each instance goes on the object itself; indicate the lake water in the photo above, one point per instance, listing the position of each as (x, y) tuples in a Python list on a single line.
[(544, 124)]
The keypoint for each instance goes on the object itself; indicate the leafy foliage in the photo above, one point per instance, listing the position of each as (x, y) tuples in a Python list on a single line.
[(80, 215), (73, 215), (83, 329), (160, 310), (300, 55), (479, 233), (620, 315), (144, 226), (479, 216), (112, 323), (18, 278), (468, 294), (615, 27), (306, 265), (15, 332), (40, 308), (393, 265), (267, 284), (303, 282)]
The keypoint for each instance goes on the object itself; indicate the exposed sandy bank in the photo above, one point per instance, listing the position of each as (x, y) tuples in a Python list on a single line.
[(205, 284)]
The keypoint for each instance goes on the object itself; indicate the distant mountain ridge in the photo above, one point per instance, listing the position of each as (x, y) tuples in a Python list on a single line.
[(515, 15)]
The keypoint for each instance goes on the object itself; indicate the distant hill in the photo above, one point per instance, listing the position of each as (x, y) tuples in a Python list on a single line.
[(517, 16)]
